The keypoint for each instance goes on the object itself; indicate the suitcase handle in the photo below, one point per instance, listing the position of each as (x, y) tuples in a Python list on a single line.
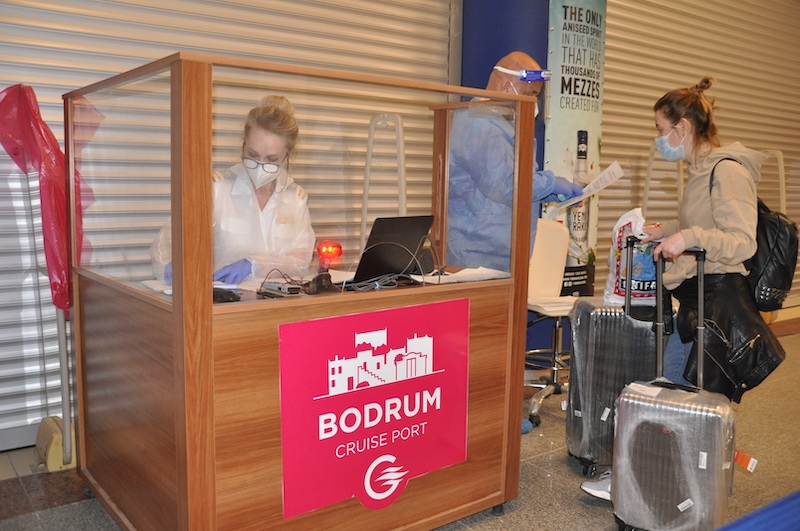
[(700, 255), (666, 384), (698, 252)]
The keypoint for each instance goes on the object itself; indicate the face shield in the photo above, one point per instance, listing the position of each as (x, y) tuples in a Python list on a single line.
[(526, 75), (529, 76)]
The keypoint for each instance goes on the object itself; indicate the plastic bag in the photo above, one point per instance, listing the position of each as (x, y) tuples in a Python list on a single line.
[(643, 285), (34, 149)]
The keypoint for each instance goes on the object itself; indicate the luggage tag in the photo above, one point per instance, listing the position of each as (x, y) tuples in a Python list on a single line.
[(744, 460)]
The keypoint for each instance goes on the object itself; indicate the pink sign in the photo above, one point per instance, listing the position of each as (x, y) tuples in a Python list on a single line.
[(370, 401)]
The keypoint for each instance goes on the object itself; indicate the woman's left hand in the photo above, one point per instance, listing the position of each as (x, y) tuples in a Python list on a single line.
[(234, 273), (654, 232)]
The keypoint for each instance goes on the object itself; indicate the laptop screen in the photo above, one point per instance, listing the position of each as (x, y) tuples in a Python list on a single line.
[(395, 246)]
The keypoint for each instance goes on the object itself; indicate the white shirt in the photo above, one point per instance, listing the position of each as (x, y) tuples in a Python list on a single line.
[(278, 237)]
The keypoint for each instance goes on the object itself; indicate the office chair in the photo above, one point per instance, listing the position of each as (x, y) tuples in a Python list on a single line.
[(545, 280)]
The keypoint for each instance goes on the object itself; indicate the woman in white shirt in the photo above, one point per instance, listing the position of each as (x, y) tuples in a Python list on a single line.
[(261, 223)]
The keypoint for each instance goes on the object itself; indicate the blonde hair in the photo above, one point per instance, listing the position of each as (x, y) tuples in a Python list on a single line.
[(276, 115), (692, 104)]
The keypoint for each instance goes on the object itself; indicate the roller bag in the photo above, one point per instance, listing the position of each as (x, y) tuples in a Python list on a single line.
[(674, 447), (610, 349)]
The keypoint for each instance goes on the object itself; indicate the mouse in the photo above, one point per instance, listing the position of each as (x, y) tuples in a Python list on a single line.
[(225, 295)]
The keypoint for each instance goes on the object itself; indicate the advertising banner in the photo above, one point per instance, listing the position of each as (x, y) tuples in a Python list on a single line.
[(370, 401), (573, 119)]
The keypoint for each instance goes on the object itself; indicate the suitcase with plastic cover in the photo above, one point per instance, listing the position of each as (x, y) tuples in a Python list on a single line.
[(673, 449), (610, 349)]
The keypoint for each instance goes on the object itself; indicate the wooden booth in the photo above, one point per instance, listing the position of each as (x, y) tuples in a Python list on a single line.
[(186, 407)]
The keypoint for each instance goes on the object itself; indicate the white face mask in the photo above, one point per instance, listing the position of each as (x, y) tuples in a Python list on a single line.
[(535, 110), (263, 173), (261, 177)]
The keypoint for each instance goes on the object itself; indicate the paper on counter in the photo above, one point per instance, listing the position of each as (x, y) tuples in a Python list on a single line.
[(157, 285), (606, 177)]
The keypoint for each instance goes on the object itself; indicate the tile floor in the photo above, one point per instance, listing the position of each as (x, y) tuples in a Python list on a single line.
[(33, 499)]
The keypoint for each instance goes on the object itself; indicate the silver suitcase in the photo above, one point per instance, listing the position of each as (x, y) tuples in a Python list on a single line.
[(673, 448), (609, 350)]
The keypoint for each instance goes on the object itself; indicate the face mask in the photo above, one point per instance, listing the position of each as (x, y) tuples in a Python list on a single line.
[(260, 177), (668, 152), (535, 110)]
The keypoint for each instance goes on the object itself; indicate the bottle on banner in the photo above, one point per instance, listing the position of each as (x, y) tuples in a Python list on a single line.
[(578, 215)]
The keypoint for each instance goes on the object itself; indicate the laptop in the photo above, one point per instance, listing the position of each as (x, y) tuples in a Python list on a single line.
[(395, 247)]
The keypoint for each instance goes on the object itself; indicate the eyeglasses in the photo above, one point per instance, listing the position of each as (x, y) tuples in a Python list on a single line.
[(269, 167)]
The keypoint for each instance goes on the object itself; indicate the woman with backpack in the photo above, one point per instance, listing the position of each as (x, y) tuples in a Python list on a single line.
[(719, 213)]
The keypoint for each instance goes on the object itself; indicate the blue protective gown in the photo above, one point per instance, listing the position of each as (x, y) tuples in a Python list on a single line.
[(481, 189)]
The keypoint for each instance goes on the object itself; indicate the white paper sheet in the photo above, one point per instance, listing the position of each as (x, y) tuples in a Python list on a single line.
[(606, 177)]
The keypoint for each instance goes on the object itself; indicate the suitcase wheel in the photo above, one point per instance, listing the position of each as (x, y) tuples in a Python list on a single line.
[(622, 526), (588, 466), (589, 470)]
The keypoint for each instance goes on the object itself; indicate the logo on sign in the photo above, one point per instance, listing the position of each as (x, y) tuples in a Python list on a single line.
[(387, 477)]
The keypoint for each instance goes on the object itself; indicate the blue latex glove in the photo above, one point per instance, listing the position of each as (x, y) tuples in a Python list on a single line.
[(234, 273), (563, 190), (168, 273)]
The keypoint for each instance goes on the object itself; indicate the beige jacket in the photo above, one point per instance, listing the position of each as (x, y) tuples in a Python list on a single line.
[(722, 220)]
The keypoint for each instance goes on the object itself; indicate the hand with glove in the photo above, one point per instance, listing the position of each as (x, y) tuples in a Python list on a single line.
[(563, 190), (234, 273), (168, 273)]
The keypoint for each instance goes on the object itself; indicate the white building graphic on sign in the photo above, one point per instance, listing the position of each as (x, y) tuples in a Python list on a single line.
[(368, 369)]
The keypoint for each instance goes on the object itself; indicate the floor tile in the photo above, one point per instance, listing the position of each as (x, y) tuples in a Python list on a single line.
[(6, 468), (15, 501), (28, 522), (55, 489), (87, 515)]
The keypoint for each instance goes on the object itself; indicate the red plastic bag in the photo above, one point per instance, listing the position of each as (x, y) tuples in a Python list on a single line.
[(32, 146)]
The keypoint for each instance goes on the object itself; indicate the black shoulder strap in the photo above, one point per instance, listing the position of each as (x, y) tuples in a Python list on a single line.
[(711, 179)]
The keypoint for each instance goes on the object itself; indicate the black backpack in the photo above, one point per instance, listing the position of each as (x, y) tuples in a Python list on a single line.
[(772, 267)]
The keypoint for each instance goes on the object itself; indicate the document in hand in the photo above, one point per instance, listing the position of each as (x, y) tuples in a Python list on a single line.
[(606, 177)]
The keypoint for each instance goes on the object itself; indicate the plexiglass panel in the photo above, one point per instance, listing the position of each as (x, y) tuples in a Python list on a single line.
[(366, 149), (121, 150), (342, 125), (480, 191)]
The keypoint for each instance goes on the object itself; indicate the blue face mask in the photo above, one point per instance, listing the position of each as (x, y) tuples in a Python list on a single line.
[(668, 152)]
